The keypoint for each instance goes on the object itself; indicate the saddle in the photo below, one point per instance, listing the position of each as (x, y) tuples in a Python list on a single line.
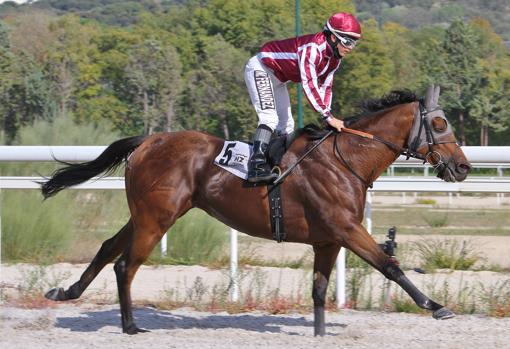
[(233, 158), (278, 146)]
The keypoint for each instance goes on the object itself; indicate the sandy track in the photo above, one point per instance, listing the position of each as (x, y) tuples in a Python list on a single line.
[(84, 326), (88, 325)]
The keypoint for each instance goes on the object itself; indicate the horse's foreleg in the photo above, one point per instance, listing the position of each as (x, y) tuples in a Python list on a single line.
[(361, 243), (394, 273), (109, 250), (325, 257)]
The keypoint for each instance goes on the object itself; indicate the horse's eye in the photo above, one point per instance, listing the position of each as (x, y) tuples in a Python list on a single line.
[(439, 124)]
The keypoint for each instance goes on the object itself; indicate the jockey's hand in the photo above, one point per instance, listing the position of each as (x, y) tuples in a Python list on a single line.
[(335, 123)]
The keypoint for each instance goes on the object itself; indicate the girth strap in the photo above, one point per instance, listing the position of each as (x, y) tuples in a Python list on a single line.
[(276, 212)]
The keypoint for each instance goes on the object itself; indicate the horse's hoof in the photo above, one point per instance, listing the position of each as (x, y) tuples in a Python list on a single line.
[(443, 314), (134, 330), (56, 294)]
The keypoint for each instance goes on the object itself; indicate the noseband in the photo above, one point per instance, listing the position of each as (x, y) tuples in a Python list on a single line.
[(434, 157)]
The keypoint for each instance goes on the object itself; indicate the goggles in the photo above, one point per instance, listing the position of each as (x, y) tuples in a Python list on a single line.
[(346, 41)]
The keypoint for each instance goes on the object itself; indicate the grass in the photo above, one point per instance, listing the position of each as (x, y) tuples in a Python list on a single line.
[(72, 226), (403, 304), (425, 201), (69, 227), (446, 254), (32, 232), (490, 299), (35, 281), (496, 297), (356, 278), (254, 294), (466, 298), (434, 220), (195, 238)]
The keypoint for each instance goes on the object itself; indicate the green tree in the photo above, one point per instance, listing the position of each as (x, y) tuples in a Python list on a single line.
[(154, 71), (314, 14), (406, 68), (117, 100), (460, 73), (491, 104), (7, 60), (428, 47), (368, 72), (216, 98)]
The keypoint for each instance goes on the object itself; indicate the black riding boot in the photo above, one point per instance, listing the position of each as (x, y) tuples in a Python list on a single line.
[(258, 168)]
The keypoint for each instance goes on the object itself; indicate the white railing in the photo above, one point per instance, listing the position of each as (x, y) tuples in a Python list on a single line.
[(476, 155), (383, 184), (481, 156)]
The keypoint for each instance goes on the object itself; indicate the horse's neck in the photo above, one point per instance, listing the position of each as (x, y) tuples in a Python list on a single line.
[(393, 125)]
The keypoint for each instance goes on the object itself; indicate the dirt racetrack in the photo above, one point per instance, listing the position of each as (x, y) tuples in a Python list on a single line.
[(72, 326), (85, 324)]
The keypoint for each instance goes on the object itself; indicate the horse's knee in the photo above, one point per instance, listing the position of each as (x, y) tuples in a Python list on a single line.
[(320, 286)]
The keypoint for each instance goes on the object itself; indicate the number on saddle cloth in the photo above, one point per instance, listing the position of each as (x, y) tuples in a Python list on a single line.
[(234, 155)]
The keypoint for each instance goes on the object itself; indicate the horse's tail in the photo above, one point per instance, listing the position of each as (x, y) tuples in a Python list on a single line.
[(106, 163)]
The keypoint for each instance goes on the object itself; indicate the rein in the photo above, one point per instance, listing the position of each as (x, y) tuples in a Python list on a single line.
[(399, 149), (433, 157), (412, 152), (289, 170)]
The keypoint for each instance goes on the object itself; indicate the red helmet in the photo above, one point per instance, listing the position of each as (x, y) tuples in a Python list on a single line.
[(343, 23)]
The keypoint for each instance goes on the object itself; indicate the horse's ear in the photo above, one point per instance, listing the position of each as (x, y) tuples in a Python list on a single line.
[(437, 90), (429, 98)]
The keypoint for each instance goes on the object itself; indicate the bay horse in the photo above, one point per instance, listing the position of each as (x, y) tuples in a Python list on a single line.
[(166, 174)]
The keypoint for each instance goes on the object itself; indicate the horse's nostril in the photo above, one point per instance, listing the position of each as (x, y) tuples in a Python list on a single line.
[(465, 168)]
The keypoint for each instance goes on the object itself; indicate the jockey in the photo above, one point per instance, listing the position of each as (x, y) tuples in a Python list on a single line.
[(310, 59)]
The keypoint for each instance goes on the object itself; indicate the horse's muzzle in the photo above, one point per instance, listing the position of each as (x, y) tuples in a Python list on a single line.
[(452, 171)]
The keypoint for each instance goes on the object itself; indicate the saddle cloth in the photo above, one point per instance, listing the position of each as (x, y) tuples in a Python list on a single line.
[(234, 157)]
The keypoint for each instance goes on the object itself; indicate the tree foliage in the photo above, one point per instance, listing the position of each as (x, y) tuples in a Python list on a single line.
[(149, 66)]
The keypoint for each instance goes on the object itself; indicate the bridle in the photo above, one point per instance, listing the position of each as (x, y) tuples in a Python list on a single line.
[(422, 133)]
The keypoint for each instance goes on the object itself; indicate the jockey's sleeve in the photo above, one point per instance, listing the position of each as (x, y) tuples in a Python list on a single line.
[(319, 95)]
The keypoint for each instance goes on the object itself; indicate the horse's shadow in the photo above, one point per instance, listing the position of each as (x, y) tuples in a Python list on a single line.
[(152, 319)]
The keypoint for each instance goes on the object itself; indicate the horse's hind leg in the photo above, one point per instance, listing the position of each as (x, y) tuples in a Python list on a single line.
[(325, 257), (360, 242), (109, 250), (155, 213), (125, 270)]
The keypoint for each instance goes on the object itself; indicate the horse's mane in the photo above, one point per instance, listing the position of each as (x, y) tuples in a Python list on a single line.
[(368, 108)]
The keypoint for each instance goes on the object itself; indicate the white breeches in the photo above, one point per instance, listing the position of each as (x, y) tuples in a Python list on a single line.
[(269, 96)]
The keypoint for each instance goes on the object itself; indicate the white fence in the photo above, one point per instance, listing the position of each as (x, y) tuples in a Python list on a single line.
[(478, 156)]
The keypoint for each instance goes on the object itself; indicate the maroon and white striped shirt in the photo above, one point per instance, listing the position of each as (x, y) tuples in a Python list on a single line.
[(307, 59)]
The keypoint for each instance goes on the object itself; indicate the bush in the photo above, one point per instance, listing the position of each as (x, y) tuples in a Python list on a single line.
[(356, 277), (446, 254), (424, 201), (436, 219), (32, 231)]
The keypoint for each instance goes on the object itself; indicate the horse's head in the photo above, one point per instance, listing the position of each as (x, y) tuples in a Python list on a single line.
[(432, 139)]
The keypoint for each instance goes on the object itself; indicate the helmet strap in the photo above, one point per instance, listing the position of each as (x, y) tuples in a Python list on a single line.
[(333, 44)]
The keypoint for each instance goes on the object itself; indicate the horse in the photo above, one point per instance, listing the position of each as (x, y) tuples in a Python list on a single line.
[(167, 174)]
